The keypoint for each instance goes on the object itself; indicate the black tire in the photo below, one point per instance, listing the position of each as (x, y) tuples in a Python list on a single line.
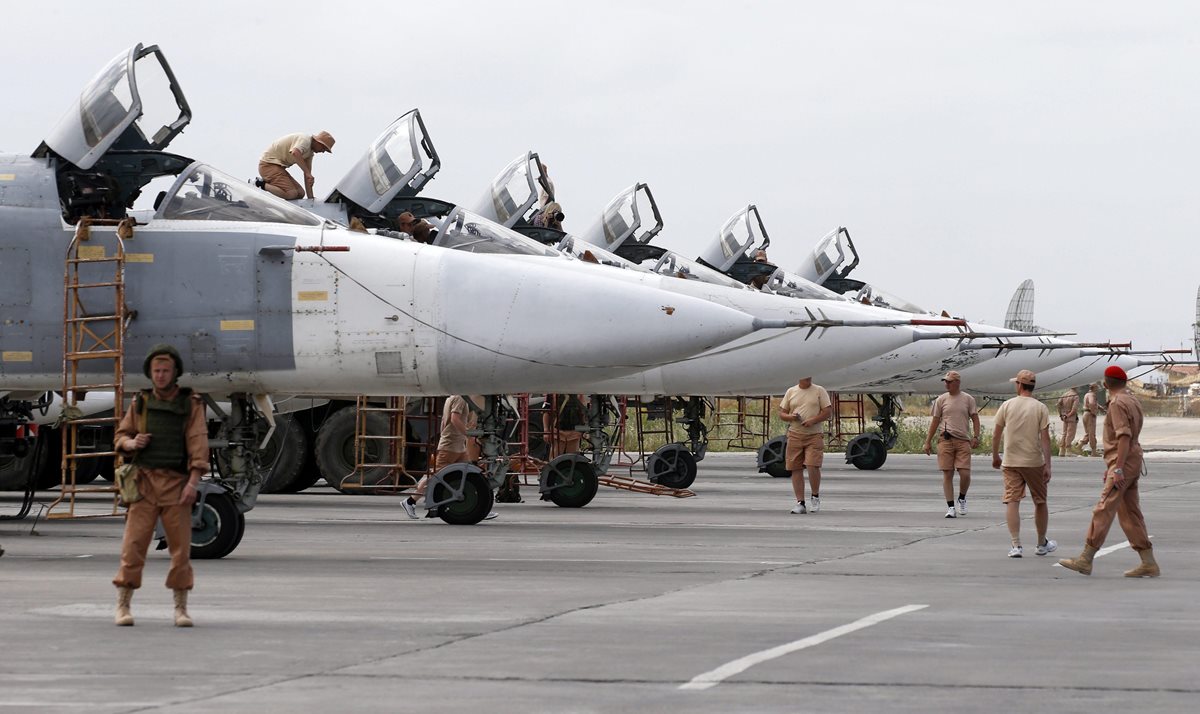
[(14, 471), (477, 494), (309, 475), (578, 479), (334, 449), (50, 469), (87, 470), (772, 458), (871, 459), (284, 455), (241, 531), (217, 535), (672, 466), (107, 467), (778, 470)]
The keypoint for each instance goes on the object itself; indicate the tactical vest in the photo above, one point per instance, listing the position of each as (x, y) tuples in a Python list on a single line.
[(166, 421)]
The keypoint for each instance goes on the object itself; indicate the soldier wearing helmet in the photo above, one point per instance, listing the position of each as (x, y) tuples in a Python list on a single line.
[(164, 434)]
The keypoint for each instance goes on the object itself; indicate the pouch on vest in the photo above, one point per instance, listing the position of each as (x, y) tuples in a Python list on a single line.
[(126, 474)]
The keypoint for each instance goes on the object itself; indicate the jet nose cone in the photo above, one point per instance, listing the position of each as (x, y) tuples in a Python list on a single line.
[(549, 324)]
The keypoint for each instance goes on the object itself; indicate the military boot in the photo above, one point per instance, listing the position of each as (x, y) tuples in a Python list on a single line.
[(1082, 564), (181, 614), (124, 617), (1148, 568)]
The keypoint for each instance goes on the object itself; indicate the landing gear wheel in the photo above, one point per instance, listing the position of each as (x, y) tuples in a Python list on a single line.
[(50, 468), (570, 481), (772, 458), (672, 466), (218, 532), (283, 456), (335, 449), (475, 500), (870, 456), (241, 531)]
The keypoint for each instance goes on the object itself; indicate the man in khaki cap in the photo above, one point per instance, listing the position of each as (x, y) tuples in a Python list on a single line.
[(1023, 426), (952, 411), (1068, 413), (284, 152)]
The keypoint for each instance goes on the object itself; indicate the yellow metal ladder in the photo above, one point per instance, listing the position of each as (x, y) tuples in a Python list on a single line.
[(95, 318), (379, 470)]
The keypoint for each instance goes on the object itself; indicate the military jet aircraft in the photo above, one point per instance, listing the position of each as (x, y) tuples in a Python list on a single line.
[(262, 297)]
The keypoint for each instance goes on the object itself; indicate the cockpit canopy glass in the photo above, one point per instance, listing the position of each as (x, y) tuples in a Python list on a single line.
[(393, 156), (464, 230), (736, 239), (106, 102), (675, 265), (203, 193), (792, 285), (870, 295), (581, 249), (514, 190)]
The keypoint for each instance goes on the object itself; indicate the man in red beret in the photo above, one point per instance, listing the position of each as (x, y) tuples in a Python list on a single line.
[(1123, 468)]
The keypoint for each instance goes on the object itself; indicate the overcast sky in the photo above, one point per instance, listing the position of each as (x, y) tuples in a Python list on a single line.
[(966, 146)]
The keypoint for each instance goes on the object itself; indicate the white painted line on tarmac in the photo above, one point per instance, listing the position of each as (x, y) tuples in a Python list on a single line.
[(1106, 550), (620, 561), (714, 677)]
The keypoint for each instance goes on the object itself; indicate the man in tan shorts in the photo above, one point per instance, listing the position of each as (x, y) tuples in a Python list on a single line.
[(458, 417), (1023, 426), (1091, 409), (805, 406), (1123, 469), (1068, 413), (951, 413), (292, 149)]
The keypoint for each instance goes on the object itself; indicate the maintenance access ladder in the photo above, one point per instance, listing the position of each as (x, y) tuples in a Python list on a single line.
[(91, 334), (741, 422), (379, 458), (849, 418)]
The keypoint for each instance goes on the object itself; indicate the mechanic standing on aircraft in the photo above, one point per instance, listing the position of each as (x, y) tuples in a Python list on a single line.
[(1068, 412), (164, 434), (284, 152), (1123, 470), (805, 406), (952, 411)]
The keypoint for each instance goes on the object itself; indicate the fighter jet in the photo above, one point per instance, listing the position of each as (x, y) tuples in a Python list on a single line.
[(262, 297)]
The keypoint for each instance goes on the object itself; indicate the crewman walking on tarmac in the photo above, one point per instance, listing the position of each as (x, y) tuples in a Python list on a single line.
[(1122, 471), (1091, 409), (565, 413), (805, 406), (458, 417), (285, 151), (1068, 413), (1023, 426), (951, 413), (165, 435)]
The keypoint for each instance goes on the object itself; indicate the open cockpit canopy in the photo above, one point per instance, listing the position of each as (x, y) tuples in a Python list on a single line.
[(398, 164), (622, 220), (739, 239), (469, 231), (108, 111), (202, 193), (511, 196), (828, 258)]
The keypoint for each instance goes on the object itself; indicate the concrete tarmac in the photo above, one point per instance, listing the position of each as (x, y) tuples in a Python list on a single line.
[(722, 602)]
